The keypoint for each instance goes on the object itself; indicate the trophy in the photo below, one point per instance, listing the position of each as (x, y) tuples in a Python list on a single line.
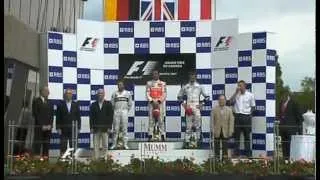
[(309, 123)]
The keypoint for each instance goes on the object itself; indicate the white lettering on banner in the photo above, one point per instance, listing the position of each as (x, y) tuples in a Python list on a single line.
[(269, 125), (215, 92), (172, 45), (111, 77), (141, 108), (206, 108), (84, 140), (244, 58), (111, 45), (258, 141), (188, 29), (260, 108), (260, 40), (69, 58), (204, 44), (231, 75), (203, 76), (154, 149), (126, 30), (258, 74), (206, 140), (270, 91), (55, 74), (271, 58), (83, 76), (157, 29), (173, 108), (55, 41), (94, 92), (141, 45), (84, 108)]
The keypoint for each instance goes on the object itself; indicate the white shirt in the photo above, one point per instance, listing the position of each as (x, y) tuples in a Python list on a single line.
[(42, 98), (100, 104), (69, 106), (244, 103)]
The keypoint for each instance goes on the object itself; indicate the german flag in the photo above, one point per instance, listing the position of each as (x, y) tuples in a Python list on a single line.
[(121, 10)]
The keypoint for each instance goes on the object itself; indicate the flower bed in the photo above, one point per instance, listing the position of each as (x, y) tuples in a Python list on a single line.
[(29, 166)]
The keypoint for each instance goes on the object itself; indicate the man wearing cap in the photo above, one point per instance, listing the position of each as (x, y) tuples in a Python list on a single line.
[(192, 105), (156, 93)]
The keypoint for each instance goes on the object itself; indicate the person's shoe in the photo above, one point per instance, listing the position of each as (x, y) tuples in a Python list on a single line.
[(113, 147)]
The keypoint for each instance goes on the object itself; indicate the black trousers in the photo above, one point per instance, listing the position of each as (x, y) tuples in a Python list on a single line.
[(242, 124), (224, 145), (286, 134), (41, 138), (21, 138), (65, 137)]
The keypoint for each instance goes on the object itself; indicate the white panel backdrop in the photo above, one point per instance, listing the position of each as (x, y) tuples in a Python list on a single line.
[(89, 60)]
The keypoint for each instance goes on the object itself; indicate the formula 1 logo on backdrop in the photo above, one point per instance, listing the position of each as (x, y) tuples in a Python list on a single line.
[(223, 43), (146, 67), (89, 44)]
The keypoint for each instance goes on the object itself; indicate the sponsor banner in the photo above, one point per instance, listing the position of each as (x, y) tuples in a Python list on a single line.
[(173, 68), (173, 108), (172, 45), (83, 76), (204, 76), (231, 75), (55, 41), (203, 44), (157, 29), (141, 108), (84, 108), (258, 141), (270, 124), (188, 28), (111, 45), (126, 29), (217, 90), (55, 74), (271, 91), (245, 58), (110, 77), (69, 59), (260, 108), (259, 74), (259, 40), (155, 148), (271, 57)]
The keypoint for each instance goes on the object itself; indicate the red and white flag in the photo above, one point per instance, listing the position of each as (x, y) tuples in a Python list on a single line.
[(196, 9)]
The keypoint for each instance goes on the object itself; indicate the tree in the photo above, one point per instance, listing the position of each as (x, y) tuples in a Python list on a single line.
[(280, 89), (306, 98), (308, 84)]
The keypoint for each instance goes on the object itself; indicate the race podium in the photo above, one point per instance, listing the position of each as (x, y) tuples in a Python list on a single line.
[(166, 151), (303, 147)]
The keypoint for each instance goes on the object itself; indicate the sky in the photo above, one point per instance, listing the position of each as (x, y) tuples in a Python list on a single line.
[(292, 21)]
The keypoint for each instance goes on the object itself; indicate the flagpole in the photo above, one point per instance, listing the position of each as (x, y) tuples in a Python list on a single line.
[(176, 10), (214, 4)]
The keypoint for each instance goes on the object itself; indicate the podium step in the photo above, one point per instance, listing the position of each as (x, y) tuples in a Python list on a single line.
[(134, 145)]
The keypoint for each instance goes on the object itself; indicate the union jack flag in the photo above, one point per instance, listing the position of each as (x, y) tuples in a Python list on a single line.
[(157, 10)]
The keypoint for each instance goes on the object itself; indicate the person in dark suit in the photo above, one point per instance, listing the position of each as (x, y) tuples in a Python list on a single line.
[(42, 111), (290, 122), (101, 118), (68, 111)]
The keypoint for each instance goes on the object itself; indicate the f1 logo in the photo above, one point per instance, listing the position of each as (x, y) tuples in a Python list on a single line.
[(89, 44), (147, 68), (224, 39)]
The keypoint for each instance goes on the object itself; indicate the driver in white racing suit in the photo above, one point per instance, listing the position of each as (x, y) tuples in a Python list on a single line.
[(122, 102), (192, 90)]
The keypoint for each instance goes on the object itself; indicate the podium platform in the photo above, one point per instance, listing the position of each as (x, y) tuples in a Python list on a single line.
[(165, 151)]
